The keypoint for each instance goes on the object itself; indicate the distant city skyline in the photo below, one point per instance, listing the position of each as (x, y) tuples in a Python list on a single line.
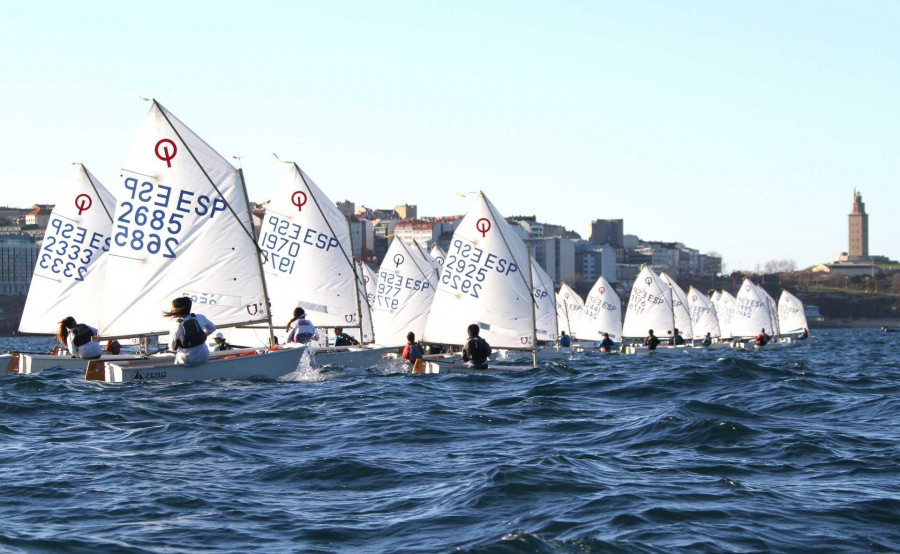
[(738, 129)]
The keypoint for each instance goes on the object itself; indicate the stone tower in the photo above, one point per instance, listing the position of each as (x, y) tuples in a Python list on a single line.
[(859, 228)]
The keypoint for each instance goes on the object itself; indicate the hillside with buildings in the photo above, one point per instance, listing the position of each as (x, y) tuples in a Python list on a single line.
[(854, 285)]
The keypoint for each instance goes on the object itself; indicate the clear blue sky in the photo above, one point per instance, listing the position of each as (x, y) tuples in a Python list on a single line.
[(736, 127)]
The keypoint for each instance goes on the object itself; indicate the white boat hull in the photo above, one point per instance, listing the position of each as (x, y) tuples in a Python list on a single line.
[(669, 349), (435, 367), (244, 365), (35, 363), (543, 354), (350, 356)]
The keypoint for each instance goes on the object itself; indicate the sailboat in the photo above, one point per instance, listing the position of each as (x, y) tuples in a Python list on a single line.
[(546, 325), (486, 280), (725, 313), (649, 307), (680, 310), (426, 255), (439, 255), (602, 314), (69, 275), (569, 309), (703, 315), (405, 289), (308, 263), (368, 329), (751, 313), (773, 313), (791, 315), (183, 228)]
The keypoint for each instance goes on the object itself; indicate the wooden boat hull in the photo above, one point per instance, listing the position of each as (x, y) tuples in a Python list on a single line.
[(226, 365)]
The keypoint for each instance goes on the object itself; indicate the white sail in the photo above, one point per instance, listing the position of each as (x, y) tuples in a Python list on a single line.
[(751, 312), (69, 275), (544, 304), (773, 311), (367, 329), (569, 309), (307, 257), (791, 315), (181, 228), (703, 315), (649, 307), (371, 281), (406, 287), (485, 280), (429, 258), (438, 254), (602, 313), (680, 310), (725, 313)]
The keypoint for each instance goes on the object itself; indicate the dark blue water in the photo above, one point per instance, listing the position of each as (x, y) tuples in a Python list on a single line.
[(793, 448)]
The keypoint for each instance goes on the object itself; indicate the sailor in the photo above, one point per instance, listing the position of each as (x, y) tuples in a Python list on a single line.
[(77, 337), (300, 329), (413, 350), (343, 339), (707, 340), (221, 344), (652, 341), (762, 338), (677, 339), (804, 335), (606, 344), (189, 332), (564, 340), (476, 350)]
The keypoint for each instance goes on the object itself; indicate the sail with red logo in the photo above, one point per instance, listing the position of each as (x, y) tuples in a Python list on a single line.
[(182, 227), (602, 313), (486, 281)]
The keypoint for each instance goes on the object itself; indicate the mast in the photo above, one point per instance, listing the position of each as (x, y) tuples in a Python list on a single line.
[(566, 311), (356, 281), (262, 275), (533, 314)]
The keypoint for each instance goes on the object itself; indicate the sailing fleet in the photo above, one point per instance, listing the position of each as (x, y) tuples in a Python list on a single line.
[(178, 223)]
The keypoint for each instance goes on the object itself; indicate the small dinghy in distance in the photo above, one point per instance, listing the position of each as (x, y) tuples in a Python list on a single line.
[(791, 316), (179, 202), (752, 313), (602, 314), (308, 263), (649, 307), (486, 280)]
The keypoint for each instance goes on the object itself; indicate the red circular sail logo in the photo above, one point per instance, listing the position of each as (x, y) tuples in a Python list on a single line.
[(299, 199), (164, 154), (83, 202), (483, 225)]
